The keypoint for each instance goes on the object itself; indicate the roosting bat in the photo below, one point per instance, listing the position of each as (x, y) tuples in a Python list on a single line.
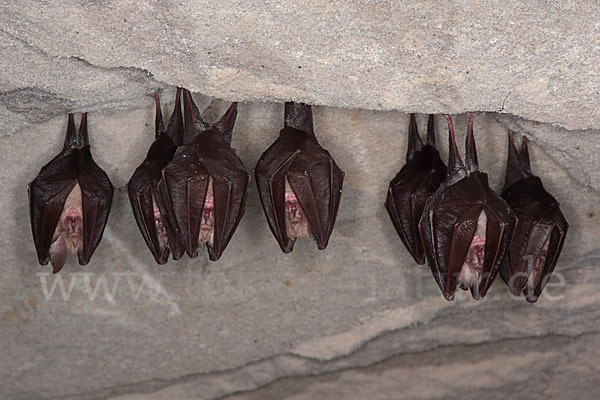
[(466, 228), (203, 188), (299, 183), (148, 209), (69, 202), (541, 230), (418, 179)]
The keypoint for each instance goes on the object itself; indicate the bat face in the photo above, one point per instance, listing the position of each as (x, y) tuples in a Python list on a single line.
[(466, 227), (540, 233), (148, 209), (410, 189), (299, 183), (203, 187), (69, 202)]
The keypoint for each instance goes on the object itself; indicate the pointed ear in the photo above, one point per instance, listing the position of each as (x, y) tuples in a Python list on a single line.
[(71, 137), (192, 117), (471, 150), (454, 160), (227, 122), (524, 156), (414, 140), (299, 116), (431, 131), (516, 166), (175, 129), (513, 164), (159, 126), (76, 138)]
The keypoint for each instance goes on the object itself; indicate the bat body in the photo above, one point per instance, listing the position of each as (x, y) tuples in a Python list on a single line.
[(69, 202), (203, 187), (466, 227), (541, 230), (299, 183), (148, 209), (410, 189)]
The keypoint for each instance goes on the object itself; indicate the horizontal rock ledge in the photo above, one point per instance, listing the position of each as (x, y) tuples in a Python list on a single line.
[(536, 60)]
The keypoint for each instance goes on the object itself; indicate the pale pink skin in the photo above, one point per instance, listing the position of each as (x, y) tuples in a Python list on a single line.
[(538, 267), (68, 234), (296, 224), (207, 225), (470, 273), (160, 226)]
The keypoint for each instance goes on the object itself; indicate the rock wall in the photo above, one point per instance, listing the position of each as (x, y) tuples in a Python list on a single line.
[(356, 320)]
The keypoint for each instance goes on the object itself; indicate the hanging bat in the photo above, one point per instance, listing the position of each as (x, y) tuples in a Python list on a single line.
[(203, 187), (410, 189), (466, 228), (541, 231), (69, 202), (299, 183), (148, 209)]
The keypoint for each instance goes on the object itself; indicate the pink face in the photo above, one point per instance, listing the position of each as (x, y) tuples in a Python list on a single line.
[(475, 254), (73, 223), (296, 224), (470, 273), (160, 227), (207, 225), (538, 266), (293, 212)]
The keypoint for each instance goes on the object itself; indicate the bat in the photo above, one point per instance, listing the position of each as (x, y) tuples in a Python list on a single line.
[(541, 231), (69, 202), (466, 227), (148, 209), (203, 187), (410, 189), (299, 183)]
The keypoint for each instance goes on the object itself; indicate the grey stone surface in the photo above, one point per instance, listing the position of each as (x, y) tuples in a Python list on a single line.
[(578, 151), (193, 329), (535, 59), (544, 368), (35, 86), (357, 320)]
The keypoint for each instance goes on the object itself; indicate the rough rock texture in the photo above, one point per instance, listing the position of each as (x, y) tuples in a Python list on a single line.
[(535, 59), (199, 330), (358, 320)]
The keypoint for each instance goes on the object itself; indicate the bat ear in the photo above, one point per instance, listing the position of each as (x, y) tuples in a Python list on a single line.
[(74, 138), (299, 116), (414, 140), (192, 118), (227, 122), (454, 161), (175, 129), (524, 156), (159, 126), (431, 131), (517, 166), (471, 150)]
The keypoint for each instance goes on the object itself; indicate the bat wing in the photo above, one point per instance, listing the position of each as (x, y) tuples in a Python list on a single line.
[(537, 241), (144, 196), (448, 230), (314, 177), (408, 193), (270, 173), (183, 188), (96, 195), (47, 195), (230, 184), (317, 182), (555, 239)]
